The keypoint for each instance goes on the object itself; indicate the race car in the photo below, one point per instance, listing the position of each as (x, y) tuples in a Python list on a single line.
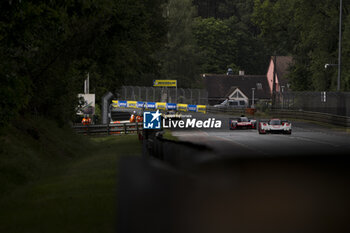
[(242, 123), (274, 126)]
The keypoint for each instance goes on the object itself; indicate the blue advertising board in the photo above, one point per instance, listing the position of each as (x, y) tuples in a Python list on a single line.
[(151, 105), (122, 103), (171, 106), (192, 108), (140, 104)]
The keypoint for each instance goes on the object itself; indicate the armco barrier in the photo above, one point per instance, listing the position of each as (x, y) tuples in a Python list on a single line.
[(230, 111), (124, 128), (313, 116), (305, 115)]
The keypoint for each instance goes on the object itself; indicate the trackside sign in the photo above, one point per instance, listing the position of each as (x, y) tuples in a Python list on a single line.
[(164, 83)]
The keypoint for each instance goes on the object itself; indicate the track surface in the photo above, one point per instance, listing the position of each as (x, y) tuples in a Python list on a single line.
[(306, 139)]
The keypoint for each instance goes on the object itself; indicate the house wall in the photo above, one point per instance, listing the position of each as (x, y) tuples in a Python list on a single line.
[(269, 76)]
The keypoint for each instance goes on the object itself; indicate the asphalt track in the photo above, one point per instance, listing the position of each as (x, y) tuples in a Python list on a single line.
[(306, 139)]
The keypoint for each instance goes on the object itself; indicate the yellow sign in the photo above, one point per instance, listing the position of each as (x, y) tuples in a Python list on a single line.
[(201, 108), (182, 107), (164, 83), (132, 104), (115, 103), (161, 106)]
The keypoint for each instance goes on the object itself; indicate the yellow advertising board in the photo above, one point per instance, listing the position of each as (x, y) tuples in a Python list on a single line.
[(164, 83), (132, 104), (201, 108), (182, 107), (115, 103), (161, 105)]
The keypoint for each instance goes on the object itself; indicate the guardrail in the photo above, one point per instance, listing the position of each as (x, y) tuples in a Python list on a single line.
[(118, 128), (232, 111), (300, 114), (314, 116)]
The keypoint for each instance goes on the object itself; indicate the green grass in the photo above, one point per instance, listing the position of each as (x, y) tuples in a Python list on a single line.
[(74, 188)]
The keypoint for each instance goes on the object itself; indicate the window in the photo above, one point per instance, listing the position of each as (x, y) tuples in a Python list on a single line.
[(241, 102)]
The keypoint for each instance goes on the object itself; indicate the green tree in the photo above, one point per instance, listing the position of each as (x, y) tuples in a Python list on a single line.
[(307, 30), (345, 82), (179, 59), (47, 47), (250, 54), (217, 45)]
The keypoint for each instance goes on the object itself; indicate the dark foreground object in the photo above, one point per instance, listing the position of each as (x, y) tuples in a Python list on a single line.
[(279, 194)]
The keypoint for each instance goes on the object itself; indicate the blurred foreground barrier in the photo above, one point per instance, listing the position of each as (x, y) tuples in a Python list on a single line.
[(313, 116), (180, 154), (119, 128)]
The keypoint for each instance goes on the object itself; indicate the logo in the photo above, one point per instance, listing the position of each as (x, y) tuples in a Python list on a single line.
[(192, 123), (151, 120)]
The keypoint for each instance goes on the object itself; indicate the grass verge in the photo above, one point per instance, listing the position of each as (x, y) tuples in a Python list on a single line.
[(75, 192)]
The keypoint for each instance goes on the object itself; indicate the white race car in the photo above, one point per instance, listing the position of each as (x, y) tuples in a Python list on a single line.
[(274, 126), (242, 123)]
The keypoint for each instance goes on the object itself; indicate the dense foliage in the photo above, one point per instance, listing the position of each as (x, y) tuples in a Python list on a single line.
[(48, 47), (178, 57), (308, 31), (218, 36)]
